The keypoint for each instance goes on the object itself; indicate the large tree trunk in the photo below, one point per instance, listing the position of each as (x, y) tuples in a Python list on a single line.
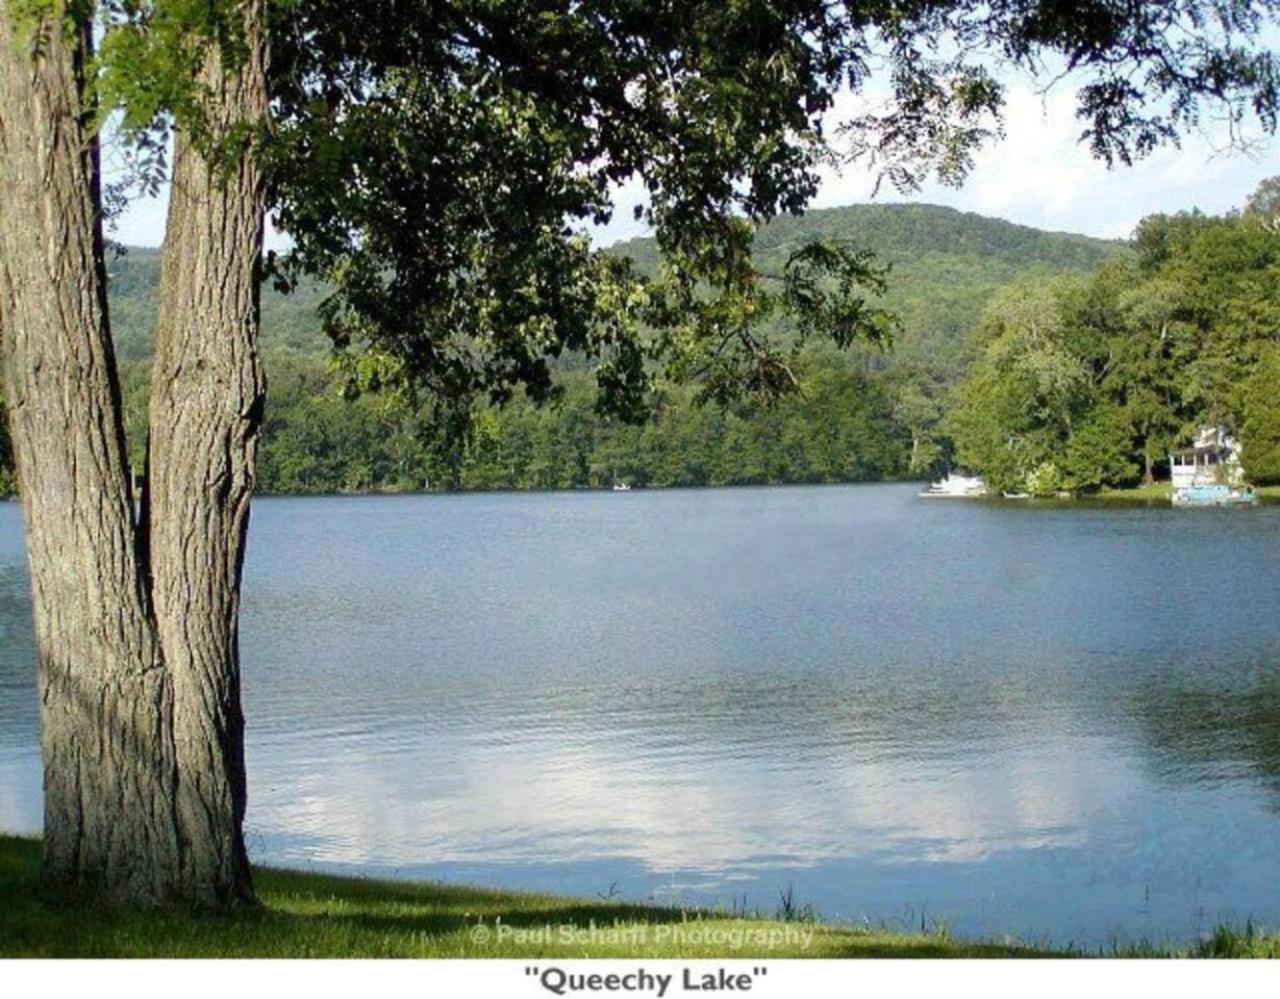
[(106, 704), (136, 621), (207, 393)]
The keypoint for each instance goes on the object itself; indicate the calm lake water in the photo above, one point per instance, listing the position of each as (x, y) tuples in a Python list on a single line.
[(1060, 723)]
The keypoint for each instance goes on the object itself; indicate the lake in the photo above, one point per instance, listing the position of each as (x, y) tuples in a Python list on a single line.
[(1057, 722)]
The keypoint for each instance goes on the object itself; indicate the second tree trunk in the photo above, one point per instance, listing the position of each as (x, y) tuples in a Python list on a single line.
[(207, 394)]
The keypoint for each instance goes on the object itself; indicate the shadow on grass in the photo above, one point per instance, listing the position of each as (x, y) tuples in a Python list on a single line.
[(312, 915)]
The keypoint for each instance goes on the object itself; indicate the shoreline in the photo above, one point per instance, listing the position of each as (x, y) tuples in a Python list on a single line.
[(1160, 492), (326, 916)]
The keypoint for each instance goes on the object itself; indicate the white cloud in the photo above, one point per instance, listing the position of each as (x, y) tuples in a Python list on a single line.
[(1041, 175), (1038, 175), (570, 794)]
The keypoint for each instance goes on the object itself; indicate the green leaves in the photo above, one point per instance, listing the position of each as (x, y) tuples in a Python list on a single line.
[(839, 428), (1107, 377), (1261, 429), (149, 60), (437, 163), (825, 286), (1100, 451), (439, 173), (940, 114)]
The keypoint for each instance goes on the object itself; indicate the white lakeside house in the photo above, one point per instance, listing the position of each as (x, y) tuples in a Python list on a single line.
[(1214, 459)]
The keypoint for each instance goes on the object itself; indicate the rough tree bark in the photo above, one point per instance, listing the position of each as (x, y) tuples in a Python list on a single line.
[(136, 619), (207, 392), (106, 703)]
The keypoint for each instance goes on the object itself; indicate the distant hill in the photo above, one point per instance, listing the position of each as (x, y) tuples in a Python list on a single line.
[(863, 415), (289, 323), (946, 264)]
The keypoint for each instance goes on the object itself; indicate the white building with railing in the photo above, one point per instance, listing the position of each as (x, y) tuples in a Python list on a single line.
[(1213, 460)]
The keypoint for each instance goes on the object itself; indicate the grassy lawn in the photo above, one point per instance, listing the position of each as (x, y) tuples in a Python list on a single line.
[(1155, 491), (312, 915)]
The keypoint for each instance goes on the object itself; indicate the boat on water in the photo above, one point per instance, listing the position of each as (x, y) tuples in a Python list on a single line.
[(1214, 494), (621, 487), (956, 486)]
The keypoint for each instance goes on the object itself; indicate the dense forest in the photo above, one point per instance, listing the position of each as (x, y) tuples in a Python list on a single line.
[(1082, 383), (1044, 361), (863, 413)]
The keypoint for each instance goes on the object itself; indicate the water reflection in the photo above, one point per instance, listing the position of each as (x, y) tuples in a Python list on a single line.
[(986, 713), (1212, 735), (715, 809)]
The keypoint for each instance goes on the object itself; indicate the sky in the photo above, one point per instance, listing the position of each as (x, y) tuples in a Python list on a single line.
[(1037, 175)]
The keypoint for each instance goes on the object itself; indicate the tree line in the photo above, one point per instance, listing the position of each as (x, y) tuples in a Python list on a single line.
[(841, 426), (1071, 378), (861, 413), (1080, 384)]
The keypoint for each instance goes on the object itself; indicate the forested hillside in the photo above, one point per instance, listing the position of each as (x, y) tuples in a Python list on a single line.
[(1080, 384), (863, 413), (289, 324), (945, 264)]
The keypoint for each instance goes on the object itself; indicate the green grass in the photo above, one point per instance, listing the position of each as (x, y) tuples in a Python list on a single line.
[(314, 915), (1155, 491)]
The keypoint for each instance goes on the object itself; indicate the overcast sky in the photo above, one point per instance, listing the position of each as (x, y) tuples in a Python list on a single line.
[(1038, 175)]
